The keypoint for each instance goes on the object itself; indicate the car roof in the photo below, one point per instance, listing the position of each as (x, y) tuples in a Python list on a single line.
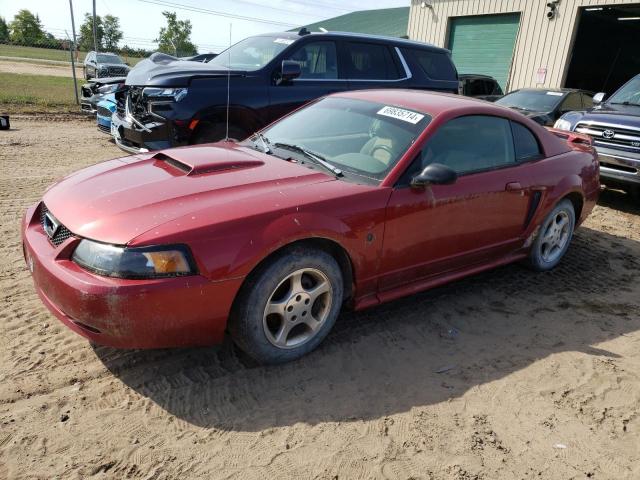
[(431, 103), (362, 36)]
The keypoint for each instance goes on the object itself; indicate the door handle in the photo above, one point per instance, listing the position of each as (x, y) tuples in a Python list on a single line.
[(513, 187)]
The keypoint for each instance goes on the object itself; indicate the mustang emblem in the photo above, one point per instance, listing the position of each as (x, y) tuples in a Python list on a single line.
[(51, 225), (608, 134)]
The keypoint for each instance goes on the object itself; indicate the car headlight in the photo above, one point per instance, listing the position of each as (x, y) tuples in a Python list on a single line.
[(142, 262), (563, 125), (109, 88), (175, 94)]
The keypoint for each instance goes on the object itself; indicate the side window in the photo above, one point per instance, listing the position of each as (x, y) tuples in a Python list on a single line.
[(435, 65), (525, 143), (470, 144), (371, 61), (317, 60), (587, 101), (572, 102), (494, 88)]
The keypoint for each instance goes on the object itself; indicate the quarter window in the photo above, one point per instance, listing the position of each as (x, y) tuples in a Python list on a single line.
[(525, 143), (471, 144), (435, 65), (317, 60), (371, 61)]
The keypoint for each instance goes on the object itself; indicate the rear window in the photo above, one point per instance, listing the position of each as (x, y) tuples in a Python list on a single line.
[(435, 65), (371, 61)]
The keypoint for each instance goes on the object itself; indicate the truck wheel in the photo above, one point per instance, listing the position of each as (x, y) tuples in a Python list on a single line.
[(208, 132), (554, 237), (288, 306)]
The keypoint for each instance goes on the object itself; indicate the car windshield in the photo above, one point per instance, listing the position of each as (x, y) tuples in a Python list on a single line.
[(251, 53), (630, 93), (103, 58), (532, 100), (358, 137)]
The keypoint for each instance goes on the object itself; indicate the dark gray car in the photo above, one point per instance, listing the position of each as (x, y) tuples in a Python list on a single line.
[(98, 65)]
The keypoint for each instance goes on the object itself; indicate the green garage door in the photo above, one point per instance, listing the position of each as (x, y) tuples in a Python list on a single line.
[(484, 44)]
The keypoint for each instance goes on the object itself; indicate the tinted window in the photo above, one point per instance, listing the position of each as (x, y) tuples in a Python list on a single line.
[(587, 101), (435, 65), (471, 143), (572, 102), (317, 60), (525, 143), (371, 61)]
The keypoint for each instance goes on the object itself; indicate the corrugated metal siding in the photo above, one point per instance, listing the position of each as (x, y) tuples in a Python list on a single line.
[(541, 43)]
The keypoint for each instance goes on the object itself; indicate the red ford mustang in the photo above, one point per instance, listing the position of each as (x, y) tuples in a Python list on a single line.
[(356, 199)]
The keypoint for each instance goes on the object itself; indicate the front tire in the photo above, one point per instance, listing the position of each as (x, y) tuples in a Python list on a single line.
[(554, 237), (288, 306)]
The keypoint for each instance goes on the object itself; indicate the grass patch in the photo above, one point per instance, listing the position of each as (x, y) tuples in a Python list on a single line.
[(36, 93), (48, 54)]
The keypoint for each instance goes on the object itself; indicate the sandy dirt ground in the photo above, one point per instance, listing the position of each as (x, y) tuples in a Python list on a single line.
[(507, 375), (8, 66)]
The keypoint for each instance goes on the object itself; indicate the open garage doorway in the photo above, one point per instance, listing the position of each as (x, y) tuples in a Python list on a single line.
[(606, 52)]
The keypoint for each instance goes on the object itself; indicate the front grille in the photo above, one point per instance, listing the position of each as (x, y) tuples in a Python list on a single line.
[(104, 112), (117, 71), (625, 137), (104, 128), (61, 234)]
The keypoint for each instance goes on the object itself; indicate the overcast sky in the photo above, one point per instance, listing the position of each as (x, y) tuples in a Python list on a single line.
[(140, 20)]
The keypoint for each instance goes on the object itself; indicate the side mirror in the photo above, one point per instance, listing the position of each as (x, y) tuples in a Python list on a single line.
[(290, 70), (599, 97), (435, 174)]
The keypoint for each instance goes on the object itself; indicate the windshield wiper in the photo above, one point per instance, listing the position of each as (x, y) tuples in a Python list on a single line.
[(264, 141), (313, 156)]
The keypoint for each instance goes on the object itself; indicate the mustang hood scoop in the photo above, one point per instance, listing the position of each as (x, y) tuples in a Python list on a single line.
[(199, 161), (118, 200)]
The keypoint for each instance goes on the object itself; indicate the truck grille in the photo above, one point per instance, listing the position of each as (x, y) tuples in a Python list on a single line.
[(61, 234), (611, 136), (117, 71)]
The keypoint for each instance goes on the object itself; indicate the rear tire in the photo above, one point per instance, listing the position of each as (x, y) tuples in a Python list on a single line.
[(554, 237), (288, 306), (208, 132)]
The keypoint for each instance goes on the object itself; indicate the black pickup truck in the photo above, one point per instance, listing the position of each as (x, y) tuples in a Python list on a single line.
[(614, 125), (171, 102)]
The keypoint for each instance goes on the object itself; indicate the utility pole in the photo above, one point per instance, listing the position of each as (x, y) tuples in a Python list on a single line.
[(72, 50), (95, 36)]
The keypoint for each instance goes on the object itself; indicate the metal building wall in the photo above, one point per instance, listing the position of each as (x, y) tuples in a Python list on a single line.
[(541, 43)]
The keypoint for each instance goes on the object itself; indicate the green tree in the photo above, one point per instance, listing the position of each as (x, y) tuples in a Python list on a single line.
[(4, 31), (85, 41), (112, 32), (174, 39), (26, 29)]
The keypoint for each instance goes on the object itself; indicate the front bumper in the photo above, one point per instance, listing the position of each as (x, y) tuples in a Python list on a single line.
[(619, 166), (133, 138), (159, 313)]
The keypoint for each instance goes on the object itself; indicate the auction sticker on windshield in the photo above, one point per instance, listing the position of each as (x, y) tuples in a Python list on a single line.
[(401, 114), (285, 41)]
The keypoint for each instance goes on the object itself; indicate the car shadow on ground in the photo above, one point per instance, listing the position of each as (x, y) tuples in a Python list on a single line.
[(619, 200), (413, 352)]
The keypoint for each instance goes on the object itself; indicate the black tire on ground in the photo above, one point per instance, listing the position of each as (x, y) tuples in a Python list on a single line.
[(634, 192), (553, 240), (256, 333), (208, 132)]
